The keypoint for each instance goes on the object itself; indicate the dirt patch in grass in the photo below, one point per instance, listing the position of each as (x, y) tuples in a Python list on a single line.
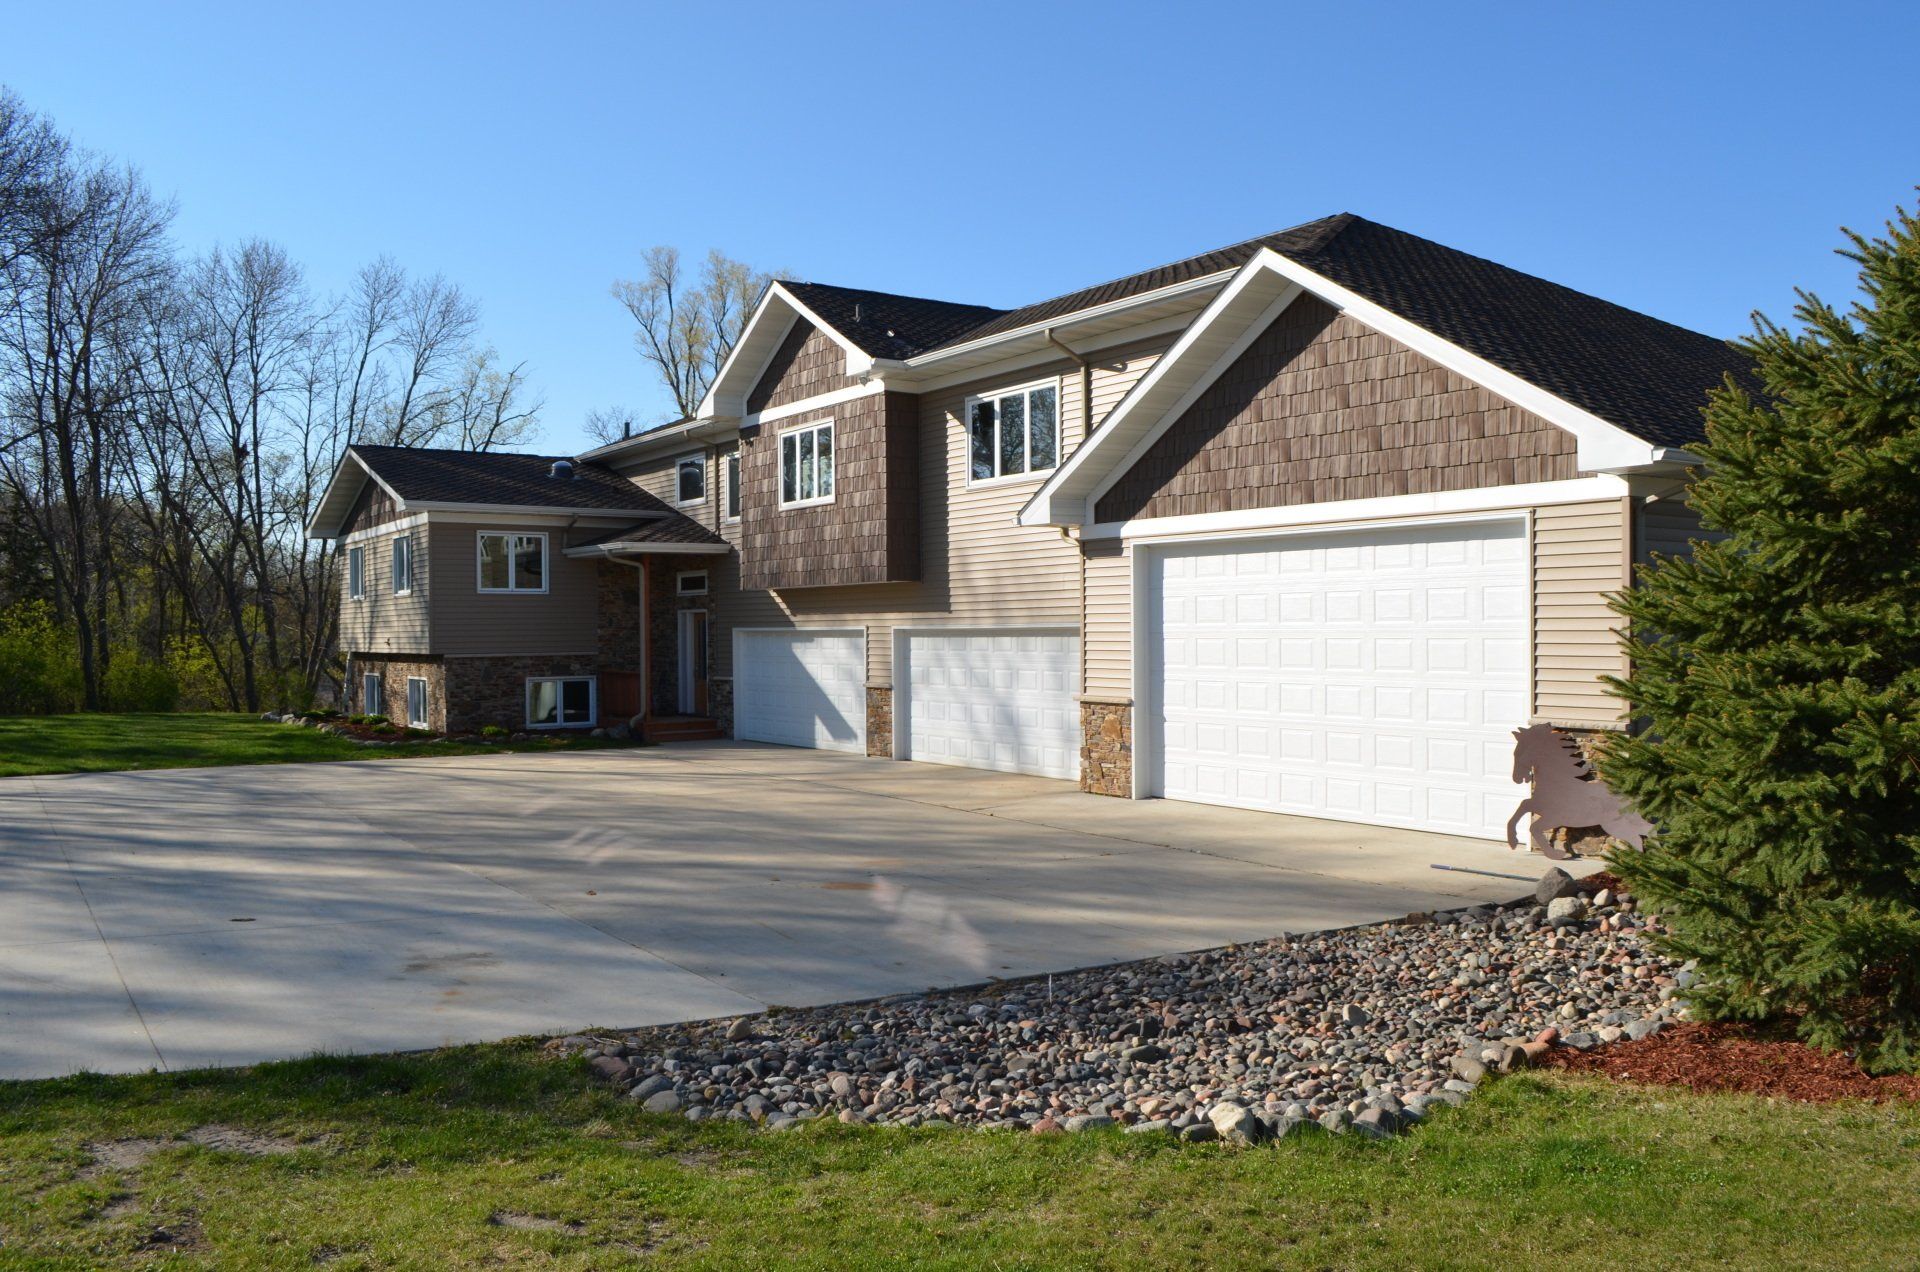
[(1724, 1057), (237, 1139), (114, 1156), (533, 1223)]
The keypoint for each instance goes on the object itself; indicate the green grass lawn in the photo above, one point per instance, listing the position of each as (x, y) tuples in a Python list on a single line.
[(496, 1155), (100, 743)]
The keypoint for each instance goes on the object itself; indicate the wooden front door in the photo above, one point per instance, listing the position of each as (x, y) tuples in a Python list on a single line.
[(693, 662)]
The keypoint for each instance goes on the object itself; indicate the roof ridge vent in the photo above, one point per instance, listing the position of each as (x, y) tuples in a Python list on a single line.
[(562, 470)]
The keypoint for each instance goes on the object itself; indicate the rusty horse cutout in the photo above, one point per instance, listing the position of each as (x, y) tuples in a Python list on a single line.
[(1563, 794)]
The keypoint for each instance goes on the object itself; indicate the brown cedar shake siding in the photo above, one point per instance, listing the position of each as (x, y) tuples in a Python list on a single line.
[(807, 364), (1321, 408)]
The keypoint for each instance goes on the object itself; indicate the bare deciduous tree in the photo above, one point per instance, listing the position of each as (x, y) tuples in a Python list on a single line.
[(688, 327)]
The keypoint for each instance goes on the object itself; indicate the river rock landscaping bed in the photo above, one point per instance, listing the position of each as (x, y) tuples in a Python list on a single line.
[(1363, 1029)]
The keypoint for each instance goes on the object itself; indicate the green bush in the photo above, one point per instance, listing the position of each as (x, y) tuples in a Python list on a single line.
[(493, 731), (134, 684), (369, 721), (39, 665)]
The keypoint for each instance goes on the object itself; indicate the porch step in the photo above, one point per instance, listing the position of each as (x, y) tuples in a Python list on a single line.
[(680, 729)]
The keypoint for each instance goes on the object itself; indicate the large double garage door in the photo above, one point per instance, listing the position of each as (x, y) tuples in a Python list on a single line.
[(1372, 677), (993, 699)]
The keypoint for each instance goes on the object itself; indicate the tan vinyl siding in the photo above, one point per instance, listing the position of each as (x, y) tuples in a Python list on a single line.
[(562, 620), (1108, 652), (1668, 527), (977, 565), (383, 623), (1580, 554)]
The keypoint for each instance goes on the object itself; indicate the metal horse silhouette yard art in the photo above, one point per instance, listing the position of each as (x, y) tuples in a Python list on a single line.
[(1563, 794)]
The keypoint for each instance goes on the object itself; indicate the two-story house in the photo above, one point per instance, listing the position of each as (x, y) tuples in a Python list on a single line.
[(1308, 524)]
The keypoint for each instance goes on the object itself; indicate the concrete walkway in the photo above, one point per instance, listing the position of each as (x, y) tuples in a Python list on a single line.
[(194, 917)]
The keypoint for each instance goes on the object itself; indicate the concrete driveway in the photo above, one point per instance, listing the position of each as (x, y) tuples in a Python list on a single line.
[(196, 917)]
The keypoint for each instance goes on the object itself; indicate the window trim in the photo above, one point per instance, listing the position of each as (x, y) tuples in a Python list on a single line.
[(780, 457), (393, 563), (593, 702), (679, 466), (426, 703), (379, 691), (730, 473), (546, 564), (357, 572), (680, 587), (1031, 474)]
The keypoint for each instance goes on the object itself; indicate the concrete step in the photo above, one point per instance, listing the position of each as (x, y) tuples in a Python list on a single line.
[(680, 729)]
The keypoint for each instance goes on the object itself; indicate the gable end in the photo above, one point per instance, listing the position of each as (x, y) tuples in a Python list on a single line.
[(807, 364), (1321, 407)]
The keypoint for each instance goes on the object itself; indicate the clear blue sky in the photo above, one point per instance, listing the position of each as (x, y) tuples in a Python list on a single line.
[(1692, 160)]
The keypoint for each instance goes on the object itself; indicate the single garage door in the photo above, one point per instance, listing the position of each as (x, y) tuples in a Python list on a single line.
[(1372, 677), (995, 700), (801, 688)]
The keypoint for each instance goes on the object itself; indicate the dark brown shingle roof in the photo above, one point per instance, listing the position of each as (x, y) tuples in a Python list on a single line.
[(674, 528), (472, 477), (1636, 372)]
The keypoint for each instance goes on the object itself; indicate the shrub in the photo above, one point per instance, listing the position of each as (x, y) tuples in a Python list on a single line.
[(493, 731), (1778, 675), (368, 721), (39, 664), (134, 684)]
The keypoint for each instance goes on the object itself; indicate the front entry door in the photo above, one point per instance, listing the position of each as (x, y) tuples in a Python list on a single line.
[(693, 662)]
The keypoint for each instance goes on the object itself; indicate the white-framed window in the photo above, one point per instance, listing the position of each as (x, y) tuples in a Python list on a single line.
[(732, 471), (416, 702), (690, 480), (370, 693), (510, 561), (402, 565), (556, 702), (806, 465), (1013, 433), (691, 583), (357, 573)]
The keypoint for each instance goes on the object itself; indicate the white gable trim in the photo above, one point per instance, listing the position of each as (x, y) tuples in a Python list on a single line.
[(759, 340), (330, 514), (1170, 387)]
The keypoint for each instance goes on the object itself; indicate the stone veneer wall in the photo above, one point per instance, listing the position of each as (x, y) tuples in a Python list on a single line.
[(880, 721), (720, 702), (664, 604), (1106, 751), (394, 671), (619, 615), (483, 691)]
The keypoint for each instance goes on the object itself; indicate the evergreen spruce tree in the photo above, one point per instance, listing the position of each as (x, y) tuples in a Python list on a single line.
[(1777, 677)]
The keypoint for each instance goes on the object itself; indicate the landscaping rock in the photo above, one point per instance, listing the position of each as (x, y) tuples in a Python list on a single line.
[(1553, 885), (740, 1030), (1563, 910), (662, 1102), (1236, 1124)]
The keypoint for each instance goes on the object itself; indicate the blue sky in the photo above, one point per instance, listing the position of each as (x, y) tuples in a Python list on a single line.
[(1691, 160)]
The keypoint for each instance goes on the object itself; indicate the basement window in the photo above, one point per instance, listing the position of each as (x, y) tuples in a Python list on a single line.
[(1013, 434), (370, 703), (557, 702), (806, 465), (417, 702)]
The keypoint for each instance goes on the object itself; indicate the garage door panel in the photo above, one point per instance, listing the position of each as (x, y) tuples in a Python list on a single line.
[(802, 689), (996, 700), (1372, 677)]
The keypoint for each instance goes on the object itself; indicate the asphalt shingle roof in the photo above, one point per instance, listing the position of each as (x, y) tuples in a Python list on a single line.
[(676, 528), (449, 476), (1636, 372)]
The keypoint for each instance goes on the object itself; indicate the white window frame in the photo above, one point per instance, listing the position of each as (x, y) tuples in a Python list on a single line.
[(811, 426), (682, 579), (593, 702), (679, 467), (393, 561), (546, 563), (375, 703), (357, 572), (730, 471), (426, 703), (1031, 474)]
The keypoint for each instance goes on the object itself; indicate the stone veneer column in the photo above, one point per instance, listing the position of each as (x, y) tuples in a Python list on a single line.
[(880, 721), (720, 702), (1106, 751)]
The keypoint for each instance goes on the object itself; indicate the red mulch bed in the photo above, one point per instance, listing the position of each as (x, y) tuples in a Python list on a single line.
[(1601, 881), (1712, 1058)]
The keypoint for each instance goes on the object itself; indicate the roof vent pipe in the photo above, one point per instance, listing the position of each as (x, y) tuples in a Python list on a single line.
[(562, 470), (859, 312)]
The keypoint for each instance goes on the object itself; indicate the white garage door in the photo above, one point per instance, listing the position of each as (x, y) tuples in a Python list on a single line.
[(801, 689), (995, 700), (1368, 677)]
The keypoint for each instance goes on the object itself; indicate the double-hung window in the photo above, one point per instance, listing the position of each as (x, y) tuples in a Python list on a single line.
[(403, 565), (806, 465), (416, 702), (1013, 433), (512, 562), (554, 702), (732, 469), (690, 479), (357, 573)]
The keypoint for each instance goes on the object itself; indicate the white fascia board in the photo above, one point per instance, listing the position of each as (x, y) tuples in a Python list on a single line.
[(321, 515), (1067, 497), (1395, 508), (537, 510), (1066, 321), (724, 399), (673, 437), (1046, 354), (646, 549), (852, 393)]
